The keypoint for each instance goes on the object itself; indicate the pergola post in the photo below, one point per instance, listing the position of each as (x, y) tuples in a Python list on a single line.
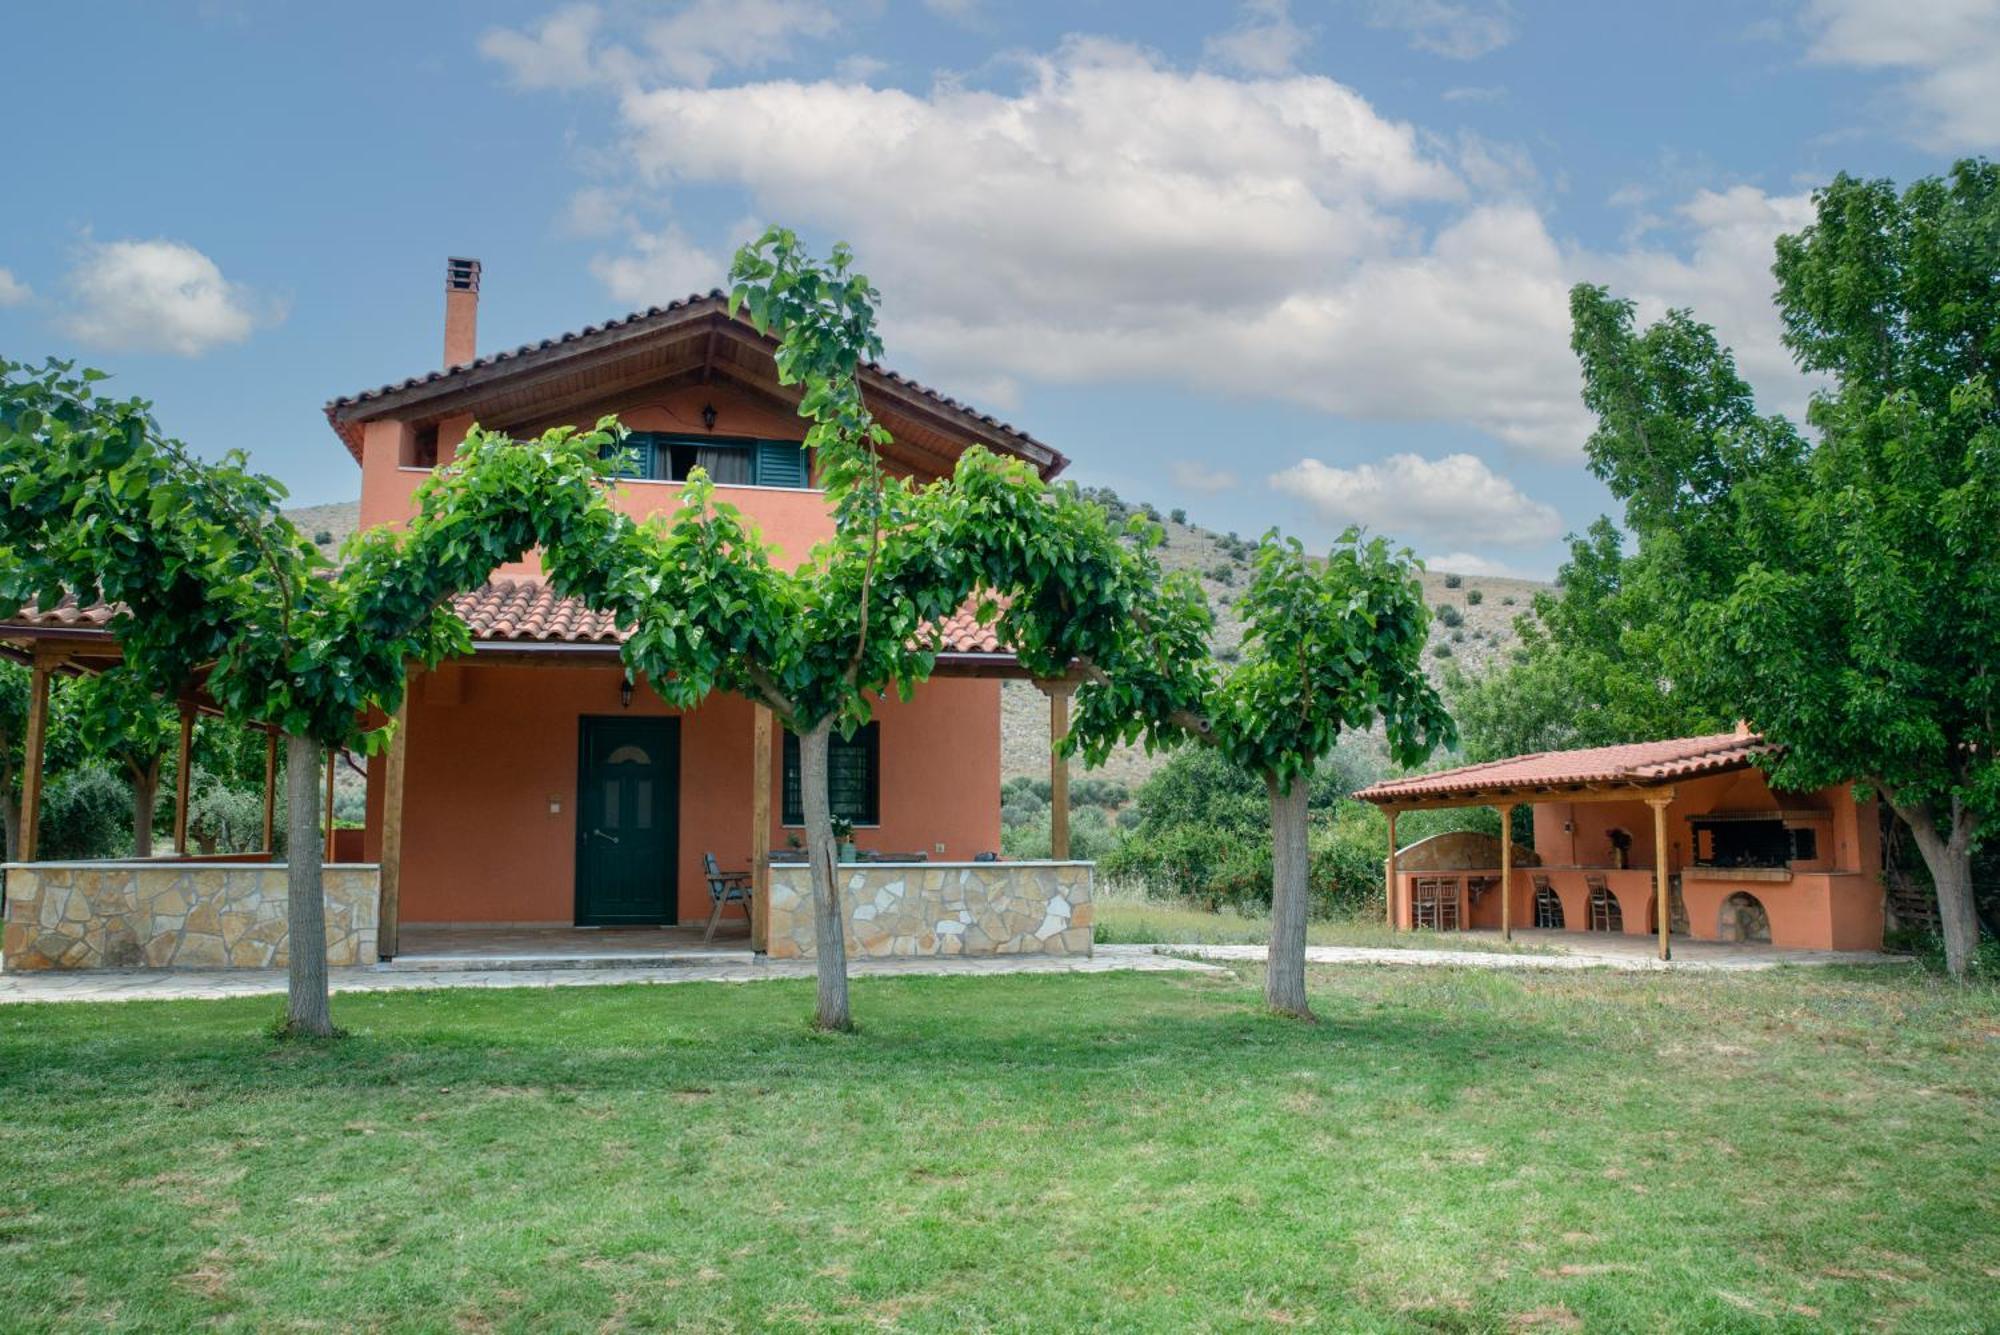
[(332, 763), (183, 778), (760, 827), (1389, 875), (1506, 871), (1059, 693), (389, 886), (36, 745), (271, 790), (1661, 912)]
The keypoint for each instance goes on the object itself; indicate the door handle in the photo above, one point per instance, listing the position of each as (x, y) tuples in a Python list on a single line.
[(599, 834)]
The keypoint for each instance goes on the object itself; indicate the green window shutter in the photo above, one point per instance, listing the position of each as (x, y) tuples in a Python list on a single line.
[(780, 463)]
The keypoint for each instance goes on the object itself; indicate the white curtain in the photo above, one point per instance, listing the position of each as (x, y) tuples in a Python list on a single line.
[(725, 466)]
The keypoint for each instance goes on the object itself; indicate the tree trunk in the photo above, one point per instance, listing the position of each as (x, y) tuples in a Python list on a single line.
[(145, 793), (307, 1010), (1285, 962), (1948, 856), (829, 935)]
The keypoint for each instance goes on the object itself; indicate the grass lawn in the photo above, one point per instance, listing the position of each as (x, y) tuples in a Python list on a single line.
[(1446, 1150), (1138, 921)]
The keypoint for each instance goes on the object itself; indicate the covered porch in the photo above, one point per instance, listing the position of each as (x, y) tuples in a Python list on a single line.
[(1654, 841), (533, 802)]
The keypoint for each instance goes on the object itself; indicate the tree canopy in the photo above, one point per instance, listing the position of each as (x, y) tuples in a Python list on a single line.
[(1843, 593)]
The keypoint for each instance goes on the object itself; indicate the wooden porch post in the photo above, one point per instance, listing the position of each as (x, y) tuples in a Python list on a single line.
[(1389, 876), (1507, 872), (1058, 770), (760, 828), (183, 778), (1661, 909), (389, 914), (36, 744), (332, 763), (270, 790)]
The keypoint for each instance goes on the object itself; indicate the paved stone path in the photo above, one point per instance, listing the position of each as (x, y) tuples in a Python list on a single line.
[(1632, 954), (183, 985), (1743, 961)]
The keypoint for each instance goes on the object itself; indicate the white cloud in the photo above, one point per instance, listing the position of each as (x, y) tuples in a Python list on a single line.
[(13, 292), (579, 46), (1725, 278), (1456, 498), (1476, 93), (1200, 478), (1470, 563), (1947, 50), (1115, 218), (157, 296), (662, 266), (1265, 41), (1443, 28)]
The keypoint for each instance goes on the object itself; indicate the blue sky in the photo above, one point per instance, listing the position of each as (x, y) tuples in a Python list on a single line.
[(1299, 264)]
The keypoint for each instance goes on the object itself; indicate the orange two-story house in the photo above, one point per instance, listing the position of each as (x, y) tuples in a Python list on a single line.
[(537, 786)]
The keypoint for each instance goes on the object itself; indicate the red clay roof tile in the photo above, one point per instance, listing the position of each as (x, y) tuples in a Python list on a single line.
[(1637, 763)]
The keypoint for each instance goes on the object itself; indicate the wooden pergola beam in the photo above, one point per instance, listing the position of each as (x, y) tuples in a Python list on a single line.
[(1659, 806), (1059, 692), (183, 776), (389, 913), (270, 790), (1506, 810), (1523, 797), (761, 729), (36, 746), (1389, 882)]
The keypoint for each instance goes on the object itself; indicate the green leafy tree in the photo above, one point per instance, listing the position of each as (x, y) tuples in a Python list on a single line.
[(1591, 668), (212, 583), (818, 644), (1330, 645), (1844, 595), (117, 717)]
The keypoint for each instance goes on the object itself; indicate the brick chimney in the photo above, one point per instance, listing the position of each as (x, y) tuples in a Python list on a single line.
[(461, 311)]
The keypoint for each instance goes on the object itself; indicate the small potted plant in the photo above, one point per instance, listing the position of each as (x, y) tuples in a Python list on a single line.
[(843, 838)]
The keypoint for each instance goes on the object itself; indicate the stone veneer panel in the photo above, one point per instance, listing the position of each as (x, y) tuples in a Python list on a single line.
[(174, 915), (952, 908)]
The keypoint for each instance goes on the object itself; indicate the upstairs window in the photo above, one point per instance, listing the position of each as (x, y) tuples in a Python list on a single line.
[(729, 460), (853, 777)]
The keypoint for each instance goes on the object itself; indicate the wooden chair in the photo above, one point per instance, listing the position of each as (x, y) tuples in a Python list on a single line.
[(1605, 915), (724, 887), (1548, 906), (1434, 903)]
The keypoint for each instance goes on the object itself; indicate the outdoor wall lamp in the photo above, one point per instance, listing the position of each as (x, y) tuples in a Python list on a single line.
[(625, 694), (708, 415)]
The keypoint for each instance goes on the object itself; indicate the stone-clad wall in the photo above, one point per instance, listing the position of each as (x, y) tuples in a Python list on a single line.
[(174, 915), (941, 908)]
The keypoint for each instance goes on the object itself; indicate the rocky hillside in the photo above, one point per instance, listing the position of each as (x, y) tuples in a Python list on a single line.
[(1484, 607)]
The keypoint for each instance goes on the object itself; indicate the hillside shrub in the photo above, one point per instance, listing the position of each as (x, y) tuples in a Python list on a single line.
[(1453, 581), (1474, 597), (1448, 615)]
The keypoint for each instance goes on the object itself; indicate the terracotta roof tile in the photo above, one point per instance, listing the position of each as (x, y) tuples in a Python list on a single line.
[(528, 611), (1637, 763), (65, 615), (515, 611)]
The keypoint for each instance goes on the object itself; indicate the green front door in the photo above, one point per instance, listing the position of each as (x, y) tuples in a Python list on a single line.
[(628, 796)]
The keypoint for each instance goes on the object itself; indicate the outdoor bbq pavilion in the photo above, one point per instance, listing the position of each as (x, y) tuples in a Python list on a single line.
[(1683, 836)]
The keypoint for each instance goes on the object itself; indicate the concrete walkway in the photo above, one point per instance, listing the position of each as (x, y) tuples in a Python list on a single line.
[(187, 985), (1633, 954)]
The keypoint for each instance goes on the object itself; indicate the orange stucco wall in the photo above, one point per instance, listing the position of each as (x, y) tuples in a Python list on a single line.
[(490, 786), (792, 519), (1833, 902)]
